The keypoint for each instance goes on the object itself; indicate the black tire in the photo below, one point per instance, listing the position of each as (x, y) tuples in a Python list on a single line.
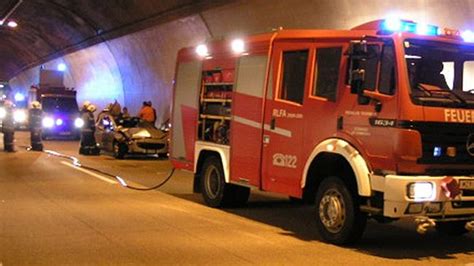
[(338, 216), (120, 150), (454, 228), (215, 191)]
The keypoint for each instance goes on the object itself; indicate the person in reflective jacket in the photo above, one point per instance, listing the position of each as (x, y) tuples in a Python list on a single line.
[(35, 117), (88, 144), (8, 128)]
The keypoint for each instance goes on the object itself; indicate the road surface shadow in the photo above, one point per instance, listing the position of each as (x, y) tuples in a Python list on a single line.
[(398, 240)]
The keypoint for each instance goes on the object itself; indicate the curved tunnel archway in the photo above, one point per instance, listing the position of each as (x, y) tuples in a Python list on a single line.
[(140, 66)]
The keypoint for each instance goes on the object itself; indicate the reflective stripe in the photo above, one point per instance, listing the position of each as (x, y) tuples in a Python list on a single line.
[(254, 124)]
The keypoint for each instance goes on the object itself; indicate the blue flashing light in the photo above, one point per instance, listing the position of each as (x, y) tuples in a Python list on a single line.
[(62, 67), (468, 36), (59, 122), (437, 152), (392, 24), (395, 25), (19, 97), (424, 29)]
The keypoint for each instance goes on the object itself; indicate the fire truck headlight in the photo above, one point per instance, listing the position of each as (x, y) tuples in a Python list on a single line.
[(19, 116), (3, 113), (78, 123), (48, 122), (421, 191)]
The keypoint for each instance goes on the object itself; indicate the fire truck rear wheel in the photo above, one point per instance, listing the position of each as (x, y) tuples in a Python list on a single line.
[(213, 187), (338, 217), (455, 228)]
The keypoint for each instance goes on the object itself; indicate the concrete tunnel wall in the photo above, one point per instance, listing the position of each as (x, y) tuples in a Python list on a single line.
[(140, 66), (132, 69)]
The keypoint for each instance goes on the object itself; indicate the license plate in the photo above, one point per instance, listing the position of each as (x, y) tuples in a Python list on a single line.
[(466, 184)]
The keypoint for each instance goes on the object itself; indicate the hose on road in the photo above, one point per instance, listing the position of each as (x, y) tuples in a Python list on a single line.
[(75, 161)]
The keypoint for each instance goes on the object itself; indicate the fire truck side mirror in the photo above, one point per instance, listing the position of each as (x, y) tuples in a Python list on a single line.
[(357, 86), (358, 53)]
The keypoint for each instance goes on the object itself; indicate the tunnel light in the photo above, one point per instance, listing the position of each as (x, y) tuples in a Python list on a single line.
[(62, 67), (2, 86), (48, 122), (202, 50), (238, 46), (468, 36), (19, 97), (12, 24)]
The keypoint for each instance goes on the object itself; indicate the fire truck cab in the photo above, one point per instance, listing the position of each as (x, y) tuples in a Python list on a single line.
[(374, 122)]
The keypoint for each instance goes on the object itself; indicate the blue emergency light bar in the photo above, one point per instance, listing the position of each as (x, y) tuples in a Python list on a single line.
[(398, 25)]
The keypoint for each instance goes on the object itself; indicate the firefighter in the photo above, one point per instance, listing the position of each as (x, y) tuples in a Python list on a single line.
[(8, 128), (35, 117), (88, 144), (84, 107)]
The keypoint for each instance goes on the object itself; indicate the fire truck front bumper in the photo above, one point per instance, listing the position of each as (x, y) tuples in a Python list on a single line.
[(439, 197)]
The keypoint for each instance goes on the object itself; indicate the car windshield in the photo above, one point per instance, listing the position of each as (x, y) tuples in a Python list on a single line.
[(441, 74), (60, 105)]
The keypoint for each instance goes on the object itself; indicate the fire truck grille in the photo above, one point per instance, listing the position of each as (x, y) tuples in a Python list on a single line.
[(445, 143)]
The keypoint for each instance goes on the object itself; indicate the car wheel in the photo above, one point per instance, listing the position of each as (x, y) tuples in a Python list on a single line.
[(455, 228), (120, 149), (338, 217)]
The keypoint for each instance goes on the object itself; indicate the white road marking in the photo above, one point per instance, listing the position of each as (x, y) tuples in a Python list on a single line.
[(110, 181)]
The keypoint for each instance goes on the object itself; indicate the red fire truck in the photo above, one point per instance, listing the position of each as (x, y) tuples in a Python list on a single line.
[(374, 122)]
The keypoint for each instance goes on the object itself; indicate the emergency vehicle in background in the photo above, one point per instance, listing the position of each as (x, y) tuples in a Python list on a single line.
[(61, 118), (374, 122)]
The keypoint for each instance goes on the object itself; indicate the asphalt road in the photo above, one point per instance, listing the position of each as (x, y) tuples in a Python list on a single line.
[(54, 214)]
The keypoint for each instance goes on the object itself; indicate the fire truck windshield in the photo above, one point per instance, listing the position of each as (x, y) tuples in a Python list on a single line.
[(64, 105), (441, 74)]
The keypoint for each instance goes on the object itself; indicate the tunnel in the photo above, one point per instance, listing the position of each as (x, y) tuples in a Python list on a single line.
[(125, 50)]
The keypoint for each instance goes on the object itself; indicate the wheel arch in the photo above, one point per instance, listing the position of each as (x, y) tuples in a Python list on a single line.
[(202, 152), (338, 156)]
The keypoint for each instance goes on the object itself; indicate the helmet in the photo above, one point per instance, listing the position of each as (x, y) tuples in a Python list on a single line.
[(86, 104), (108, 108), (35, 105), (91, 108)]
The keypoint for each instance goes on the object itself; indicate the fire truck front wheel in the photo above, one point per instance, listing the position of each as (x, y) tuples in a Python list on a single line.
[(338, 217)]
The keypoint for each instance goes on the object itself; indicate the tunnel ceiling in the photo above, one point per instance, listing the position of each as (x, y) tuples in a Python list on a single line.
[(51, 28)]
